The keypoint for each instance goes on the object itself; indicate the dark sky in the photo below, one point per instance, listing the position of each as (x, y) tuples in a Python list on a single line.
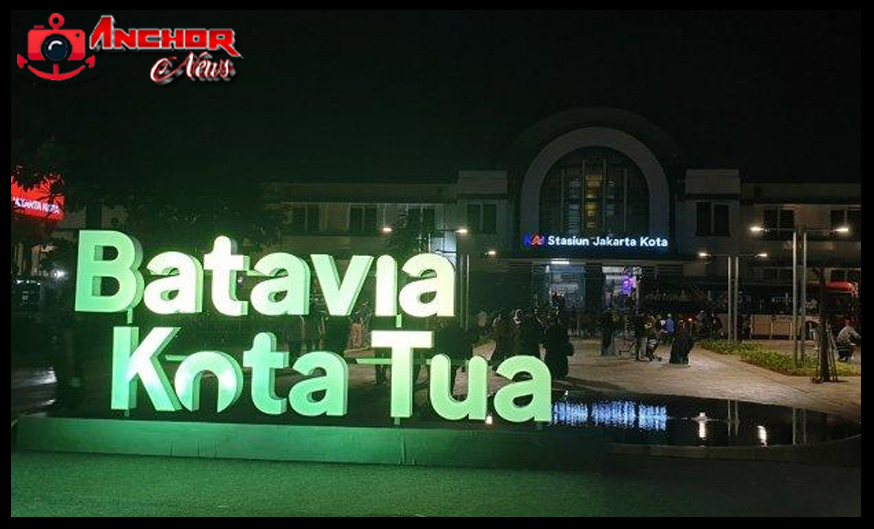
[(417, 95)]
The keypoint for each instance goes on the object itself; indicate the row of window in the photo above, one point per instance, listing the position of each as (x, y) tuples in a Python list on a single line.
[(363, 220), (838, 274), (712, 220)]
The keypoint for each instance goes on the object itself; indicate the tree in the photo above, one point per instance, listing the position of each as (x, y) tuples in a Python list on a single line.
[(407, 238), (187, 216)]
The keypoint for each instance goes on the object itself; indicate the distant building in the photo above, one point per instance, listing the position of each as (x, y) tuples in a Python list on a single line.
[(590, 203), (595, 204)]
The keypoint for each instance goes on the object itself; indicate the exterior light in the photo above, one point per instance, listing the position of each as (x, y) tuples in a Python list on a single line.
[(386, 229), (762, 255), (492, 253), (757, 229), (59, 274), (703, 255), (490, 420), (560, 262), (702, 425), (461, 231), (843, 230), (763, 435)]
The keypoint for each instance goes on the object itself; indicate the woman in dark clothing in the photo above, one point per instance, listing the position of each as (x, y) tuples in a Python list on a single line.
[(682, 345), (608, 327), (503, 328), (526, 335), (531, 335), (557, 343)]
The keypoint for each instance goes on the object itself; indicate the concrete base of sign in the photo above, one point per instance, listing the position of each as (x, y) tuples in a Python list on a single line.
[(332, 444)]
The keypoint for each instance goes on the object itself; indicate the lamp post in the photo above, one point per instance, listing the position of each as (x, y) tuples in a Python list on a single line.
[(800, 233), (733, 261)]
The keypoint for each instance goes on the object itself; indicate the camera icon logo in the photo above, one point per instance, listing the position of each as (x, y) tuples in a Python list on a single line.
[(55, 45)]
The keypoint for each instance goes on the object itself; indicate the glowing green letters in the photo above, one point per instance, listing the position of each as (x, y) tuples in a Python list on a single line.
[(94, 266), (283, 289)]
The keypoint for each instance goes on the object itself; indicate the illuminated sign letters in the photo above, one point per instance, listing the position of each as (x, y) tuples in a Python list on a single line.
[(598, 242), (177, 287)]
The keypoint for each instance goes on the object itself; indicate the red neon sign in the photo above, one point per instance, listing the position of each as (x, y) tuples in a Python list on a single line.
[(38, 201)]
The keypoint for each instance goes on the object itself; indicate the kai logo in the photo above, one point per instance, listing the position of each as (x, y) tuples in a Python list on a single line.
[(55, 45), (533, 240)]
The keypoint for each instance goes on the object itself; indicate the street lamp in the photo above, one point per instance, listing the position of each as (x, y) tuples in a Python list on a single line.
[(800, 232), (733, 286)]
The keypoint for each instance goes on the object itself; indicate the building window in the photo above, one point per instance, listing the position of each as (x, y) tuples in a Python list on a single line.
[(853, 276), (304, 219), (704, 219), (783, 275), (851, 218), (362, 219), (779, 223), (594, 191), (712, 220), (482, 218), (421, 218), (720, 220)]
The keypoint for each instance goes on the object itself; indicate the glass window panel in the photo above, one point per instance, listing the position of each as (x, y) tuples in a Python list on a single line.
[(474, 217), (490, 218), (854, 221), (720, 220), (703, 222), (298, 219), (427, 219), (770, 218), (369, 219), (312, 221), (356, 219), (787, 219)]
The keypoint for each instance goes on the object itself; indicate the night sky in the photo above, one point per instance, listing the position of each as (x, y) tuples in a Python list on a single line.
[(418, 96)]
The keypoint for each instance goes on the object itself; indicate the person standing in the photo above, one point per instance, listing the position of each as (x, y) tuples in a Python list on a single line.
[(531, 335), (682, 345), (670, 328), (337, 334), (557, 343), (503, 330), (608, 328), (384, 353), (295, 335), (452, 341), (313, 330), (639, 324), (846, 341)]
